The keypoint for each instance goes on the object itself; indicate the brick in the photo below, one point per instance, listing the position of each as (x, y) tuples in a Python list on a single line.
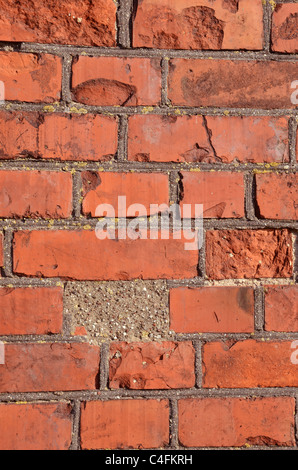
[(249, 364), (237, 422), (138, 188), (212, 310), (246, 139), (27, 311), (46, 194), (47, 367), (31, 77), (85, 23), (57, 136), (149, 366), (222, 24), (80, 255), (236, 84), (233, 254), (220, 193), (125, 424), (116, 81), (277, 196), (284, 36), (281, 308), (37, 426)]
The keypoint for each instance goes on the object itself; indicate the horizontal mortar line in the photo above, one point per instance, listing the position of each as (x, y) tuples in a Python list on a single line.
[(30, 282), (143, 110), (61, 49), (105, 395), (41, 339)]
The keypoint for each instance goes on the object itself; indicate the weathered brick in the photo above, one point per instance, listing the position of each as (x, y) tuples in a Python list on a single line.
[(281, 308), (31, 77), (33, 367), (249, 364), (28, 311), (236, 84), (212, 310), (57, 136), (125, 424), (199, 24), (284, 36), (237, 422), (277, 195), (46, 194), (248, 254), (220, 193), (148, 366), (80, 255), (116, 81), (86, 23), (138, 188), (36, 426), (246, 139)]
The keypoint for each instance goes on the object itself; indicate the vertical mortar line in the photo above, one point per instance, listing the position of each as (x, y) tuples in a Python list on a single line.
[(202, 256), (7, 252), (174, 187), (66, 78), (122, 151), (296, 420), (174, 438), (295, 255), (292, 141), (104, 366), (267, 12), (77, 194), (249, 196), (259, 297), (76, 410), (164, 81), (124, 23), (67, 317), (198, 363)]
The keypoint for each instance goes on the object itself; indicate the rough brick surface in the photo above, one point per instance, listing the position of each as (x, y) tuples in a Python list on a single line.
[(31, 77), (57, 136), (277, 196), (86, 23), (138, 188), (281, 308), (125, 424), (212, 310), (237, 422), (284, 36), (80, 255), (249, 364), (115, 81), (37, 426), (46, 367), (28, 311), (46, 194), (150, 366), (199, 24), (232, 254), (220, 193), (235, 84)]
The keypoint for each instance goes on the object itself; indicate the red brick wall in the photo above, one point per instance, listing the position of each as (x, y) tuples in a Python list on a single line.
[(182, 101)]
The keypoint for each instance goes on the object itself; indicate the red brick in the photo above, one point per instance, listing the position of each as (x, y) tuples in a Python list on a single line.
[(32, 194), (37, 426), (138, 188), (237, 422), (281, 308), (236, 84), (222, 24), (149, 366), (27, 311), (277, 196), (284, 36), (57, 136), (116, 81), (125, 424), (221, 194), (85, 23), (80, 255), (212, 310), (246, 139), (49, 367), (233, 254), (249, 364), (31, 77)]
